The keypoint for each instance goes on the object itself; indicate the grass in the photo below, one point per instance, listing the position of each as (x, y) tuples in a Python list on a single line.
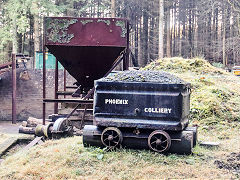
[(4, 137), (215, 108), (68, 159)]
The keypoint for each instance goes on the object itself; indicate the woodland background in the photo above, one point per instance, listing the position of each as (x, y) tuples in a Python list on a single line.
[(186, 28)]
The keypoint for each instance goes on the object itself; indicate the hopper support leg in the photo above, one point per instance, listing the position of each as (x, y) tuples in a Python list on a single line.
[(44, 82), (56, 88), (14, 89)]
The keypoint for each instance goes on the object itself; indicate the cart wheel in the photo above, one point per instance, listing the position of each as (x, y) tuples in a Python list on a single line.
[(159, 141), (111, 137)]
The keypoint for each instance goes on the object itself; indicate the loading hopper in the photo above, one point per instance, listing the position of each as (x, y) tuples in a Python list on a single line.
[(86, 47)]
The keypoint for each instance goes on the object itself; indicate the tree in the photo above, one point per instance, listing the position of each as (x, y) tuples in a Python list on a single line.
[(168, 29), (185, 28), (113, 8), (15, 22), (161, 29)]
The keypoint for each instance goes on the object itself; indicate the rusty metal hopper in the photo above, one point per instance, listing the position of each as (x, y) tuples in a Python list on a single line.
[(86, 47)]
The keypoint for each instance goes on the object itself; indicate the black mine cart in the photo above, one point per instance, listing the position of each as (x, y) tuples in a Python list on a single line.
[(142, 115)]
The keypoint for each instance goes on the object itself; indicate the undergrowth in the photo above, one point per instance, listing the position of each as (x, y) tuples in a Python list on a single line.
[(215, 97)]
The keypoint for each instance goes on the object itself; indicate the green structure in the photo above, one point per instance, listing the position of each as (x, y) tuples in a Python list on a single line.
[(50, 61)]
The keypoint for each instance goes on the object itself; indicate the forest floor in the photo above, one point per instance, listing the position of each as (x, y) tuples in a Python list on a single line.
[(215, 104)]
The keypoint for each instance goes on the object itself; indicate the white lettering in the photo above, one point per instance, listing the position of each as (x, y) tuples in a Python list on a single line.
[(106, 101), (158, 110), (116, 101)]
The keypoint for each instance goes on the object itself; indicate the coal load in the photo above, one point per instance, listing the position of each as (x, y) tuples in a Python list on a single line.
[(160, 77)]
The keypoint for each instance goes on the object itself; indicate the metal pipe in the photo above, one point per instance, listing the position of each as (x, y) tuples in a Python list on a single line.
[(56, 88), (64, 81), (14, 89)]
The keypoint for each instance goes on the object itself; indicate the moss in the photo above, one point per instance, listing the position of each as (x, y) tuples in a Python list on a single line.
[(84, 22), (107, 22), (122, 24), (57, 30)]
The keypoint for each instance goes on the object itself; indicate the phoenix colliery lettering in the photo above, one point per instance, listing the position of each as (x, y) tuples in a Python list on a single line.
[(158, 110), (116, 101)]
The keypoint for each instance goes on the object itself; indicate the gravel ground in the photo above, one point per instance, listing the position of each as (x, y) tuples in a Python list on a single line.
[(232, 163), (144, 76), (6, 127)]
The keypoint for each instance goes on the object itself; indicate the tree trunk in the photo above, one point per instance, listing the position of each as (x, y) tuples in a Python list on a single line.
[(168, 33), (179, 36), (183, 43), (36, 28), (145, 35), (161, 29), (20, 42), (31, 31), (224, 37), (14, 40), (190, 29), (209, 37), (174, 30), (36, 36), (136, 38), (113, 8)]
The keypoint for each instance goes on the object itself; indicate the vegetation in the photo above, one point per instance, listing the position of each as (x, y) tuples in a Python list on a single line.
[(4, 137), (215, 98), (20, 25)]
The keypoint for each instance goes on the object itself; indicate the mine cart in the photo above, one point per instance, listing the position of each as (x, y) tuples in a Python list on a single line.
[(135, 114)]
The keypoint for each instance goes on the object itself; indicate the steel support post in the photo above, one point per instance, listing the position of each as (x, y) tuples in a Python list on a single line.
[(14, 89), (44, 84), (64, 81), (44, 76), (56, 88)]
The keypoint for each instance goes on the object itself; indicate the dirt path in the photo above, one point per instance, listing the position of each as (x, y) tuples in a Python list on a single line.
[(6, 127)]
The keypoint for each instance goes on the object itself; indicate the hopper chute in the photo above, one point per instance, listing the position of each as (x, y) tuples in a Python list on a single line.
[(86, 47)]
